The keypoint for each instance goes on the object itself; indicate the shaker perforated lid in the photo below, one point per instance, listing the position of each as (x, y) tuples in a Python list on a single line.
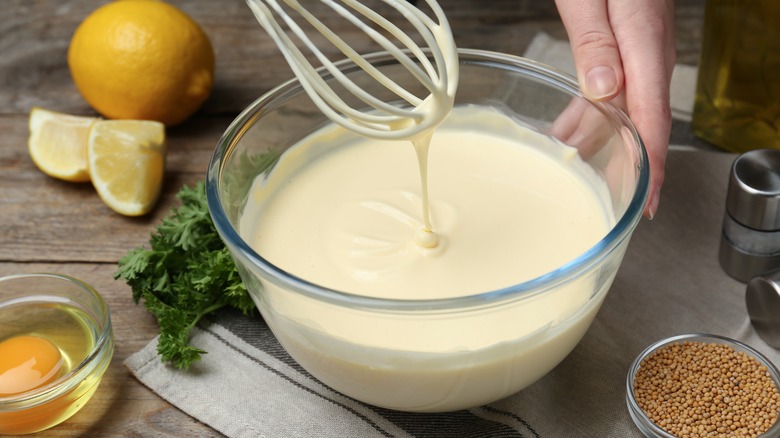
[(762, 298), (753, 197)]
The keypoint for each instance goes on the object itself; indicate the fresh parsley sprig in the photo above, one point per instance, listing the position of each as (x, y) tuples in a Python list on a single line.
[(186, 274)]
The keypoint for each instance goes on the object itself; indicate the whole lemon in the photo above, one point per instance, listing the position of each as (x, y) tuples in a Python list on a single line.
[(142, 59)]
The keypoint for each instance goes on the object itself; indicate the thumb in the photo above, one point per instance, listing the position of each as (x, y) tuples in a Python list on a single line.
[(595, 49)]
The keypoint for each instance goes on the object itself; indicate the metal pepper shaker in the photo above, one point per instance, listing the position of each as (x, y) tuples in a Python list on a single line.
[(750, 242), (762, 298)]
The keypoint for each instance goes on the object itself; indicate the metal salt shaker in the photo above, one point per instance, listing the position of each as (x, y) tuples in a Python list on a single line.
[(750, 243)]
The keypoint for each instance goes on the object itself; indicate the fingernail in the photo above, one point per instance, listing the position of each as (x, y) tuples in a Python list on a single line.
[(652, 205), (600, 82)]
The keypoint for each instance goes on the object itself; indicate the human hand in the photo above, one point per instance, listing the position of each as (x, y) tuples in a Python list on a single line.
[(624, 52)]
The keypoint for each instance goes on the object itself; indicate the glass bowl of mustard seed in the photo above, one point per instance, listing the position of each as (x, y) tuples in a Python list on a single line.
[(703, 385)]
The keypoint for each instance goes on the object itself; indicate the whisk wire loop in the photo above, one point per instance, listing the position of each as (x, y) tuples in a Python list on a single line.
[(433, 69)]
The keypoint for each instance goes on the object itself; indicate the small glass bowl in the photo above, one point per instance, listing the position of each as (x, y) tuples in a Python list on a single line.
[(69, 309), (643, 422)]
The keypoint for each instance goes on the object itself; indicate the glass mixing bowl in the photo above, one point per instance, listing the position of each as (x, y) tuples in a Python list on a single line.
[(480, 347)]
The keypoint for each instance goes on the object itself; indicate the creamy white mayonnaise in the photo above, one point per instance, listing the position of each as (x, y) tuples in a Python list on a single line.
[(508, 204)]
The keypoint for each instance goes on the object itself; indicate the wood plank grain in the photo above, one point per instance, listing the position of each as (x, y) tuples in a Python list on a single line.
[(34, 38), (45, 219)]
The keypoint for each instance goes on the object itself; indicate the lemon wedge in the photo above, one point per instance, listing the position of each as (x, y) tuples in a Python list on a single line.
[(126, 162), (58, 144)]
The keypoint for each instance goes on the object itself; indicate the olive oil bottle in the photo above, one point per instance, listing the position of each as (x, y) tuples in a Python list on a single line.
[(737, 104)]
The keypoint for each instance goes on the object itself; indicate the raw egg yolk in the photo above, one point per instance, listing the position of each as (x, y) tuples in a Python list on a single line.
[(27, 362)]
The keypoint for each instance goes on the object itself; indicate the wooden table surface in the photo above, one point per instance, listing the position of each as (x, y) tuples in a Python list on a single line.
[(54, 226)]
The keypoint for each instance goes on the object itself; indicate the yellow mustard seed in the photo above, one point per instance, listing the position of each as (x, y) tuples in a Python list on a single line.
[(698, 389)]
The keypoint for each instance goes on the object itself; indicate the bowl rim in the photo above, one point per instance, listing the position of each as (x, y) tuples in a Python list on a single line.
[(103, 349), (621, 230), (644, 423)]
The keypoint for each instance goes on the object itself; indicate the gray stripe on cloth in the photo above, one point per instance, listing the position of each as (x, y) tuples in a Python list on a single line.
[(461, 424)]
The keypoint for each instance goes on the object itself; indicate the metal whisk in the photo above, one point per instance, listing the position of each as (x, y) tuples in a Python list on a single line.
[(435, 65)]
